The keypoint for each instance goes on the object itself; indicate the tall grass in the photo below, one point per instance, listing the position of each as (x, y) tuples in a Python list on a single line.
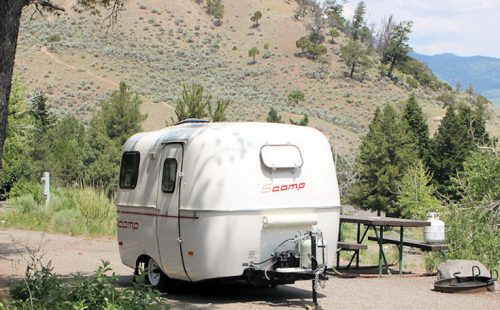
[(72, 210)]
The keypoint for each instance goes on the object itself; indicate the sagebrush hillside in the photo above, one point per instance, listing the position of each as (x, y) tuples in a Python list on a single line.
[(159, 45)]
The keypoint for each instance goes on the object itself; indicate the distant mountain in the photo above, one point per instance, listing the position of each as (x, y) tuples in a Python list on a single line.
[(483, 73)]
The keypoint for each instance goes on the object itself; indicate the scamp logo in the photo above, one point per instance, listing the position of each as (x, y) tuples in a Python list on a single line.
[(269, 188), (128, 225)]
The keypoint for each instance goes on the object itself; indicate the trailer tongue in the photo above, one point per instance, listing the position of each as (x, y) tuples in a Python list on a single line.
[(305, 261)]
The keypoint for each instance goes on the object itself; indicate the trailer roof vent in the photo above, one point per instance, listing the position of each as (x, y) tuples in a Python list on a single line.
[(281, 156), (191, 121)]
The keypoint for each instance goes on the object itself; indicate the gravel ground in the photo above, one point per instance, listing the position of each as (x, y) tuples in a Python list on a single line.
[(77, 254)]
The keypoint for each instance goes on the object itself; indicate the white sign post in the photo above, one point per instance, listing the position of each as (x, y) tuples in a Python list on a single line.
[(46, 187)]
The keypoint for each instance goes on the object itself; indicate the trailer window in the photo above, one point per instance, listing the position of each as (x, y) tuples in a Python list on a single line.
[(169, 175), (281, 156), (129, 170)]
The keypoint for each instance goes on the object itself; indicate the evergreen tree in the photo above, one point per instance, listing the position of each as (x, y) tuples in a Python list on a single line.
[(303, 43), (256, 17), (303, 122), (44, 121), (219, 114), (67, 151), (118, 119), (121, 114), (358, 20), (193, 103), (474, 119), (296, 96), (334, 33), (355, 54), (450, 146), (17, 162), (274, 117), (397, 47), (102, 159), (335, 13), (386, 153), (253, 52), (219, 14), (417, 124)]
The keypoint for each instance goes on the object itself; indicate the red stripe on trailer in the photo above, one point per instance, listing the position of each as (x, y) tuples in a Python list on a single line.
[(159, 215)]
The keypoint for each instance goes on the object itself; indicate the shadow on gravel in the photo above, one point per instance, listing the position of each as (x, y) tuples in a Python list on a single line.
[(11, 249), (200, 295)]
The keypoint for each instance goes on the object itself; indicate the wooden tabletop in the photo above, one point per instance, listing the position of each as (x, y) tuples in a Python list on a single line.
[(382, 221)]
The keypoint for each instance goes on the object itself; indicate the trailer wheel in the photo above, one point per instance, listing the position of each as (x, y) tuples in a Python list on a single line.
[(155, 276)]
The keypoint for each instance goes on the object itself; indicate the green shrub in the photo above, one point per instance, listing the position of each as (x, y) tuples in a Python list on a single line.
[(22, 187), (24, 204), (412, 82), (41, 288), (472, 221), (53, 38), (71, 220), (75, 211)]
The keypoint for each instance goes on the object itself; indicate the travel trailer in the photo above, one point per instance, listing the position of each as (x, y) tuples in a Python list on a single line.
[(253, 201)]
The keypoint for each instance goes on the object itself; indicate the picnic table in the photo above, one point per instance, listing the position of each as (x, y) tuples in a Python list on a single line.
[(378, 223)]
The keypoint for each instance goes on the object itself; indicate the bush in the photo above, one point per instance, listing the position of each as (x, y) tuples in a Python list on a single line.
[(472, 222), (53, 38), (41, 288), (74, 211), (412, 82)]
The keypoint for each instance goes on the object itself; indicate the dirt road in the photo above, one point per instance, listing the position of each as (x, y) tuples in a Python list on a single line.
[(78, 254)]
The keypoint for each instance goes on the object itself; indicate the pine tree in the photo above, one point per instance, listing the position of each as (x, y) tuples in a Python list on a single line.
[(397, 46), (273, 116), (358, 20), (44, 121), (67, 150), (118, 119), (450, 146), (253, 52), (121, 114), (296, 96), (355, 54), (474, 119), (386, 153), (17, 161), (418, 126), (193, 103), (255, 18)]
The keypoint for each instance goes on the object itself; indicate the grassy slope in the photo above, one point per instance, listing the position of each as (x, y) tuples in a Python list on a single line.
[(161, 44)]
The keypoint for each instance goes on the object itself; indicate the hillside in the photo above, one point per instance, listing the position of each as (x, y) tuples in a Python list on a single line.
[(159, 45), (481, 72)]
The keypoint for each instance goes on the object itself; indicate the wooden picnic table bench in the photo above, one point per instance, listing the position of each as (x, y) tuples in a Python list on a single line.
[(345, 246), (427, 247), (424, 246)]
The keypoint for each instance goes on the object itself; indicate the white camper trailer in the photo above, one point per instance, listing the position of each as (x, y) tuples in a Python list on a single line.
[(256, 201)]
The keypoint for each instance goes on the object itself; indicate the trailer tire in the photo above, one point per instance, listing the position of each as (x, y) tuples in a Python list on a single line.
[(155, 276)]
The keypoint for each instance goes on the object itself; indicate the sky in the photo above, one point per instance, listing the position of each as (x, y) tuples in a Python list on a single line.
[(462, 27)]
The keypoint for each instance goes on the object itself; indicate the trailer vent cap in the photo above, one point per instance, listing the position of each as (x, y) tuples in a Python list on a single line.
[(191, 121), (281, 156)]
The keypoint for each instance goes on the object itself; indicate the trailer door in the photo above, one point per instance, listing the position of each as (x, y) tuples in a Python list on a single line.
[(167, 203)]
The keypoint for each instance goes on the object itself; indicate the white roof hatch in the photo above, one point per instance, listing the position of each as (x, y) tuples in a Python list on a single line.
[(281, 156)]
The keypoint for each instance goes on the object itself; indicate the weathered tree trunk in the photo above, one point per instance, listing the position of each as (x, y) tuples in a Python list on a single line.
[(10, 17), (352, 70), (393, 63)]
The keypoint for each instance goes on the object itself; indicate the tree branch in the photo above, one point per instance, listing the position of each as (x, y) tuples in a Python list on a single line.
[(48, 5)]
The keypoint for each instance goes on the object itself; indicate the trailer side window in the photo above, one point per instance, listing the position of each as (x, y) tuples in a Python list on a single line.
[(129, 170), (169, 175)]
